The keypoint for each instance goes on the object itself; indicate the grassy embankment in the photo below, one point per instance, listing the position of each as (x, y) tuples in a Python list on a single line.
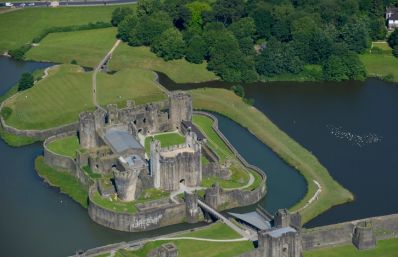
[(384, 248), (239, 174), (20, 27), (227, 103), (66, 146), (381, 65), (66, 182), (59, 98), (166, 140), (200, 248)]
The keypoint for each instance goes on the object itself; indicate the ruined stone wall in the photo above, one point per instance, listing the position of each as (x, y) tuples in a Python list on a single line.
[(384, 227), (180, 108), (235, 198), (141, 220), (56, 160)]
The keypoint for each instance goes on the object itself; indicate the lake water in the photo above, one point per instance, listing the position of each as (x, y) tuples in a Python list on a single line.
[(351, 127), (37, 220)]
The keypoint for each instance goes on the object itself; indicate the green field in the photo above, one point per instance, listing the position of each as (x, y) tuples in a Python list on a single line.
[(128, 84), (53, 101), (180, 71), (67, 91), (381, 65), (87, 47), (384, 248), (66, 146), (20, 27), (227, 103), (66, 182), (201, 248), (166, 140), (239, 178)]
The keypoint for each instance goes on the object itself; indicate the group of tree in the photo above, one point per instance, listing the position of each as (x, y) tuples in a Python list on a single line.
[(243, 41), (393, 42)]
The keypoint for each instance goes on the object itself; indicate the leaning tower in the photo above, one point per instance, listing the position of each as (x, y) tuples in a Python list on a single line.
[(126, 183)]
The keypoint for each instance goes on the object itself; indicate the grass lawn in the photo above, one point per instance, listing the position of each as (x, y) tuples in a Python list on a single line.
[(87, 47), (384, 248), (53, 101), (120, 206), (66, 146), (141, 57), (187, 248), (205, 124), (166, 140), (383, 45), (239, 178), (66, 182), (128, 84), (381, 65), (67, 91), (227, 103), (20, 27)]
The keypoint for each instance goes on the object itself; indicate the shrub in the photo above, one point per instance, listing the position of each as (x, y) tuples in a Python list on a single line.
[(73, 61), (395, 51), (6, 112), (19, 53), (26, 81), (239, 90), (376, 50)]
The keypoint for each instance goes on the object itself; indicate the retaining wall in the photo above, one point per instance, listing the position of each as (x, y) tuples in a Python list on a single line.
[(384, 227), (139, 221)]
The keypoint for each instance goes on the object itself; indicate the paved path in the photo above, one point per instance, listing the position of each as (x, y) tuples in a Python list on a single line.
[(313, 198), (201, 239), (98, 68), (33, 4)]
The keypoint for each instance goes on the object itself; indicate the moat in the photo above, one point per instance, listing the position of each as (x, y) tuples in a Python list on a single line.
[(30, 206)]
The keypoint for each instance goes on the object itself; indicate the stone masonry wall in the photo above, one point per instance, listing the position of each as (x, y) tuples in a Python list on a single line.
[(56, 160), (139, 221)]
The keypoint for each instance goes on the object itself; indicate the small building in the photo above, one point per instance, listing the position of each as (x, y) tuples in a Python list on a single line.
[(392, 18)]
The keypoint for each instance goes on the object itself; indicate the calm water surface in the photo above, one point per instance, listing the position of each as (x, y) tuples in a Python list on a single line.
[(351, 127), (37, 220)]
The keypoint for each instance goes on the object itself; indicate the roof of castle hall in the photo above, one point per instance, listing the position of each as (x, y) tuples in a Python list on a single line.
[(121, 140), (253, 218)]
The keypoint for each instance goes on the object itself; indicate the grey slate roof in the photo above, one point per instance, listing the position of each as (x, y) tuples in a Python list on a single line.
[(121, 140), (253, 218)]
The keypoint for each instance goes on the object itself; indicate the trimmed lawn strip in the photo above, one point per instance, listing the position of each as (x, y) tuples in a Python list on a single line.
[(384, 248), (87, 47), (66, 146), (381, 65), (201, 248), (66, 182), (180, 71), (228, 104)]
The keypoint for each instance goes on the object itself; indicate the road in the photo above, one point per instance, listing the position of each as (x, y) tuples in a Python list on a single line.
[(31, 4)]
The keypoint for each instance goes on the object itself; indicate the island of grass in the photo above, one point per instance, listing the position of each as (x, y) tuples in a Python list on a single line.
[(228, 104), (165, 139), (66, 146), (67, 91)]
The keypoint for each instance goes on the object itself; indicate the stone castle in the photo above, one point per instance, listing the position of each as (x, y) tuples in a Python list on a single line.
[(115, 139)]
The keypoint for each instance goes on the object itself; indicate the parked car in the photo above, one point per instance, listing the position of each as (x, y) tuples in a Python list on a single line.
[(31, 4), (22, 5), (9, 4)]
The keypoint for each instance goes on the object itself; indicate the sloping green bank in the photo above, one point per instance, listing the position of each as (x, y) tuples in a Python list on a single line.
[(227, 103)]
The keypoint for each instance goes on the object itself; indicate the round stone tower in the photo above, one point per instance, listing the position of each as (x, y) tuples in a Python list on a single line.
[(126, 182), (87, 132), (212, 195), (363, 237)]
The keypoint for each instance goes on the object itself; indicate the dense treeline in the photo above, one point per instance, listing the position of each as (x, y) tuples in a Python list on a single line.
[(244, 41)]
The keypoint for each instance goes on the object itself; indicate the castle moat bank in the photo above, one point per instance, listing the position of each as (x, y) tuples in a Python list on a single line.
[(70, 220)]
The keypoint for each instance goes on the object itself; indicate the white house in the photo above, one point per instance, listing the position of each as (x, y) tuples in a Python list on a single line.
[(392, 18)]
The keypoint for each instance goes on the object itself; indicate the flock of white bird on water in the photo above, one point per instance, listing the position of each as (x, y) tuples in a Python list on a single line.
[(359, 140)]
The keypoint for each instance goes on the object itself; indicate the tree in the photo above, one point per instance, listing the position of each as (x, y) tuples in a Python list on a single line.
[(239, 90), (196, 49), (178, 11), (263, 21), (197, 8), (147, 7), (344, 67), (395, 51), (149, 27), (126, 26), (169, 45), (26, 81), (393, 39), (228, 11), (377, 28), (243, 28), (355, 35), (119, 14)]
